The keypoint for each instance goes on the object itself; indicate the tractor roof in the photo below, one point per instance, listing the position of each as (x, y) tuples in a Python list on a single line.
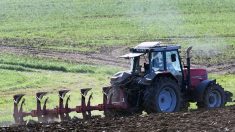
[(144, 47), (155, 46)]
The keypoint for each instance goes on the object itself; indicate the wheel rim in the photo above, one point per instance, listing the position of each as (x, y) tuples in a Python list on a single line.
[(167, 100), (214, 99)]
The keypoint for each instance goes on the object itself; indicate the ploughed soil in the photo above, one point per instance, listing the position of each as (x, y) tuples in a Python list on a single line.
[(222, 119)]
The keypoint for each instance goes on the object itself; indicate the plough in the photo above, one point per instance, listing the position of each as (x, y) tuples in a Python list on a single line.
[(62, 110)]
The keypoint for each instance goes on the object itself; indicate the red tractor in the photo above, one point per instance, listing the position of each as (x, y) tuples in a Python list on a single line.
[(159, 82), (156, 82)]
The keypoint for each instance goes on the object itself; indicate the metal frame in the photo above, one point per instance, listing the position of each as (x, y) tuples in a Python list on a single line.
[(62, 110)]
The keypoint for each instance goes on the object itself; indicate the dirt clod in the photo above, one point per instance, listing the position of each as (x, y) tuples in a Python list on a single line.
[(221, 119)]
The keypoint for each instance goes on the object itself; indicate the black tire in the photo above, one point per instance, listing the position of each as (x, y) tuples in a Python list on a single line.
[(154, 96), (214, 97)]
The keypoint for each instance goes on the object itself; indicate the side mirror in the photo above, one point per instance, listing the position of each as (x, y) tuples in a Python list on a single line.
[(173, 57)]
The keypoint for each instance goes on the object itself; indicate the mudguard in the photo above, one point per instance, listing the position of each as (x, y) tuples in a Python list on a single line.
[(149, 78), (199, 91)]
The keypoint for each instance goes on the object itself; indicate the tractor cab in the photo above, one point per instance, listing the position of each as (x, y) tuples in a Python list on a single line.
[(150, 57)]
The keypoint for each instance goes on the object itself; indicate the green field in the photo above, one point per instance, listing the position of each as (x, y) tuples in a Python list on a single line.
[(30, 75), (68, 24), (87, 26)]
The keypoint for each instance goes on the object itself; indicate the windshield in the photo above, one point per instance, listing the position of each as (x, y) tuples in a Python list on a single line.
[(157, 61), (139, 64)]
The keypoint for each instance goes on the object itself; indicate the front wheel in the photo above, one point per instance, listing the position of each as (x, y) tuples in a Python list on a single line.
[(163, 96), (214, 97)]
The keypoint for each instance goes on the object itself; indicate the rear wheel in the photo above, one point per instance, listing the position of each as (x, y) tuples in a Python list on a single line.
[(214, 97), (163, 96)]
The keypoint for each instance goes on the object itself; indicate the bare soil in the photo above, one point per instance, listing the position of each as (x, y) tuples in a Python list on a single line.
[(222, 119), (105, 56)]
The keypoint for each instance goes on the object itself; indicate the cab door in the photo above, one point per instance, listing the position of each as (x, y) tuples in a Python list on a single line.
[(173, 64)]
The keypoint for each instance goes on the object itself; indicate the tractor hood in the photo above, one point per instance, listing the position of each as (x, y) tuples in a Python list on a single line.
[(120, 78), (197, 75)]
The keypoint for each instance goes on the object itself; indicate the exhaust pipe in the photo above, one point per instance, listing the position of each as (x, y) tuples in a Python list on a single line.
[(188, 66)]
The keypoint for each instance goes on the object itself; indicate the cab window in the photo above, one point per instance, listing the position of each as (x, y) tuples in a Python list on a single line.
[(157, 63), (173, 63)]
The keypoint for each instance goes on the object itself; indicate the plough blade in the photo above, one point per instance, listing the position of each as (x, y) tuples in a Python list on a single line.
[(40, 95), (85, 113), (63, 92), (18, 117), (84, 91), (17, 98), (105, 98), (62, 110), (39, 111)]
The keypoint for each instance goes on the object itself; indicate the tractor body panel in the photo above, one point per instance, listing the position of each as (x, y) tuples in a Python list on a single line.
[(197, 76), (149, 78), (198, 91)]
